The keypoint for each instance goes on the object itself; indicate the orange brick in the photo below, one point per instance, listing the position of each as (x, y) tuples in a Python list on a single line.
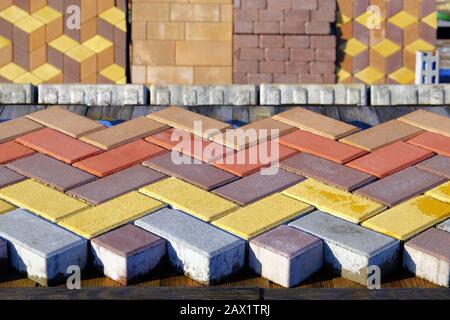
[(226, 13), (104, 50), (30, 60), (201, 12), (88, 29), (139, 30), (53, 21), (213, 75), (5, 51), (209, 31), (149, 11), (138, 74), (80, 63), (204, 53), (154, 53), (165, 31), (5, 4), (30, 6), (29, 34), (103, 5), (170, 75), (88, 8)]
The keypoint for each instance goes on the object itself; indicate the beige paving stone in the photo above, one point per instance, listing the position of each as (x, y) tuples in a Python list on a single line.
[(428, 121)]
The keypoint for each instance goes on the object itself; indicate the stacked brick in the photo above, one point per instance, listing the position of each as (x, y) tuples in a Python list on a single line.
[(284, 41), (381, 48), (56, 41), (182, 42)]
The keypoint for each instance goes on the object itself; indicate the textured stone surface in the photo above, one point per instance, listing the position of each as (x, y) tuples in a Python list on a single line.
[(428, 121), (423, 94), (8, 177), (439, 165), (444, 225), (5, 207), (17, 127), (432, 141), (12, 93), (3, 256), (441, 192), (10, 151)]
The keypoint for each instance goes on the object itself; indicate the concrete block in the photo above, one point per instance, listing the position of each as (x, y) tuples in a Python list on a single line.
[(424, 94), (17, 93), (444, 225), (3, 256)]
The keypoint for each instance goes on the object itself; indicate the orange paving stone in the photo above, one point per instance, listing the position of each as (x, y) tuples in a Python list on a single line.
[(58, 145), (428, 121), (390, 159), (11, 151), (323, 147), (11, 129), (119, 158), (432, 141)]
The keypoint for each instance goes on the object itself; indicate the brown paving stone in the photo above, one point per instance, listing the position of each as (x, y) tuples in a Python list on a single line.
[(58, 145), (11, 151), (11, 129), (51, 172), (390, 159), (439, 165), (124, 133), (65, 121), (434, 241), (119, 158), (381, 135), (327, 171), (8, 177), (433, 141), (428, 121), (193, 171)]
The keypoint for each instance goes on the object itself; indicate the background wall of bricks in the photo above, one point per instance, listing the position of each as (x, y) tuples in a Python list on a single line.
[(182, 41)]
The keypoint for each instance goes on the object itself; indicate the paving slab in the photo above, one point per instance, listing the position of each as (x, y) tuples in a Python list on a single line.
[(208, 262), (323, 147), (119, 158), (189, 198), (44, 201), (256, 186), (117, 184), (381, 135), (350, 249), (427, 256), (439, 165), (9, 130), (441, 192), (432, 141), (127, 253), (124, 133), (5, 207), (8, 177), (316, 123), (390, 159), (183, 119), (263, 215), (58, 145), (94, 221), (198, 173), (428, 121), (65, 121), (3, 256), (41, 249), (334, 201), (444, 225), (409, 218), (326, 171), (10, 151), (400, 186), (285, 255)]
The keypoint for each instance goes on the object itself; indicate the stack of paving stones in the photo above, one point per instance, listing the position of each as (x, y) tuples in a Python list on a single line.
[(284, 41), (41, 43), (382, 49), (308, 192)]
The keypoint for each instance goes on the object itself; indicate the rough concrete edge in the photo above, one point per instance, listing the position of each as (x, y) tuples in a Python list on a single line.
[(425, 94), (14, 93)]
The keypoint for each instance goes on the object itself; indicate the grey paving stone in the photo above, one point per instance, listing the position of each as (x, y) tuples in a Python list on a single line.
[(350, 249), (8, 177), (3, 256), (12, 93), (444, 225), (439, 165), (198, 249), (41, 249)]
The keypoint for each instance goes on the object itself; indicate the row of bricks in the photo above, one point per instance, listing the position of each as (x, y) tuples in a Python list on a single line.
[(284, 41), (259, 78), (288, 27), (319, 55)]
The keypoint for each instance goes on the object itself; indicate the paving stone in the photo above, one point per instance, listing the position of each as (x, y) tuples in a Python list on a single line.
[(409, 218), (94, 221), (127, 253), (444, 225), (256, 186), (5, 207), (390, 159), (441, 193), (323, 147), (350, 249), (428, 121), (432, 141), (11, 151), (186, 168), (189, 198), (8, 177), (65, 121), (439, 165), (11, 129), (285, 255), (379, 136), (44, 201), (326, 171), (427, 256), (41, 249), (123, 133), (183, 119), (119, 158), (334, 201), (117, 184), (208, 262), (3, 256), (400, 186), (316, 123), (58, 145), (263, 215), (51, 172)]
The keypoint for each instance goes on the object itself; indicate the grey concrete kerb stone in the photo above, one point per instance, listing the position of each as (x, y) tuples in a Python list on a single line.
[(424, 94), (11, 93)]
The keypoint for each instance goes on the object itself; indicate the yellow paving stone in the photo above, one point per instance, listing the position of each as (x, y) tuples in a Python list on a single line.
[(11, 71), (94, 221), (262, 215), (334, 201), (190, 199), (441, 193), (409, 218), (49, 203), (5, 207)]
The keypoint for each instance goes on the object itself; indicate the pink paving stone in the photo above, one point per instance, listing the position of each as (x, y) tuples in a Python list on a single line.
[(8, 177), (439, 165), (11, 151), (433, 141)]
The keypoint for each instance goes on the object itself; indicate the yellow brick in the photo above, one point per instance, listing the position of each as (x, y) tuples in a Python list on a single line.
[(53, 21), (409, 218), (195, 12), (114, 72), (170, 75), (204, 53), (5, 207), (441, 193), (28, 77), (208, 31), (63, 43), (226, 13), (113, 15), (262, 215), (35, 31), (98, 44), (80, 53), (96, 220), (190, 199), (154, 53), (122, 80), (165, 31), (403, 76), (334, 201), (13, 14), (41, 200), (11, 71), (370, 75), (5, 51), (150, 11), (122, 25), (48, 73), (213, 75)]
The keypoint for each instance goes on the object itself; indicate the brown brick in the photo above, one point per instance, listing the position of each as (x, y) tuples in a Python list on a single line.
[(292, 27), (246, 15), (321, 67), (259, 78), (271, 66), (323, 42), (325, 54), (297, 41), (268, 41), (299, 54), (29, 60), (245, 66), (120, 57), (271, 15), (279, 4), (253, 4), (297, 67), (88, 8), (310, 79), (312, 27), (297, 15), (267, 27), (30, 6), (58, 5), (329, 78), (285, 78), (330, 4), (240, 78), (305, 4), (324, 14), (276, 54), (251, 54), (245, 41), (105, 29), (243, 27)]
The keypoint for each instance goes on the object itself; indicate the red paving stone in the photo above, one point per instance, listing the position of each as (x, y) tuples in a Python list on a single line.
[(433, 141), (388, 160), (320, 146), (11, 151), (119, 158), (58, 145)]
